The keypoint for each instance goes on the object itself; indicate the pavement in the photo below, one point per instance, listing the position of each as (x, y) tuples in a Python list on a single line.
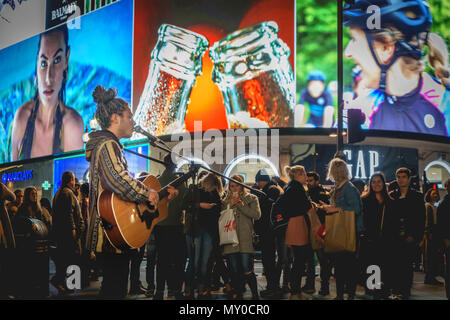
[(420, 291)]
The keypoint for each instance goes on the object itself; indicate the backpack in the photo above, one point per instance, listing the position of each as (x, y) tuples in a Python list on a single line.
[(278, 216)]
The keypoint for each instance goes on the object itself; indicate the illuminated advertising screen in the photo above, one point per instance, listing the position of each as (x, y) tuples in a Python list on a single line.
[(223, 64), (80, 167), (395, 64), (46, 98)]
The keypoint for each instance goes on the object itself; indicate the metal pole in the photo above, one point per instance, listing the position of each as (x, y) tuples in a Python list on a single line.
[(146, 157), (340, 137)]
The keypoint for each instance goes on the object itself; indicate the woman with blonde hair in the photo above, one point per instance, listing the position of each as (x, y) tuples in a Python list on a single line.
[(296, 205), (246, 209), (344, 196), (209, 205), (388, 40)]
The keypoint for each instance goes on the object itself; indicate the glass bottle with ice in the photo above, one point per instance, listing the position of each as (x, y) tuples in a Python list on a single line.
[(252, 70), (176, 61)]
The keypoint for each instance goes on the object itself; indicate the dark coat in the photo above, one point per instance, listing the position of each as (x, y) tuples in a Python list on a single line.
[(410, 214), (191, 203), (443, 218), (272, 192), (295, 201), (208, 219), (7, 239), (175, 206), (318, 194), (376, 227), (66, 217)]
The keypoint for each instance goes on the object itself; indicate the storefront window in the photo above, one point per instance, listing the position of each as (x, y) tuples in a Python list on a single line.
[(438, 171), (248, 165)]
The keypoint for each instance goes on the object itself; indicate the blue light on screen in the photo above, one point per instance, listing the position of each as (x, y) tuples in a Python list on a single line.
[(80, 167)]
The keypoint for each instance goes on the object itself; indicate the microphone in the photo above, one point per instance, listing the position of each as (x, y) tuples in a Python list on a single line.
[(150, 137)]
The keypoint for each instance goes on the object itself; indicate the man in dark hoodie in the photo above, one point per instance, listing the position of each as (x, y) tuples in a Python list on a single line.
[(409, 209), (68, 225), (170, 239), (443, 232), (109, 171), (271, 241)]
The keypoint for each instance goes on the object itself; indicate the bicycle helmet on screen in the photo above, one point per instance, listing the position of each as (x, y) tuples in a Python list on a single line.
[(392, 12), (411, 17), (316, 75)]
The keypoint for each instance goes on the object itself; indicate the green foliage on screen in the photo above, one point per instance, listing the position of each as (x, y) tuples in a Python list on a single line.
[(317, 38)]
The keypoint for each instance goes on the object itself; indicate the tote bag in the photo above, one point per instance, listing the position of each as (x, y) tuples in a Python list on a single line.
[(340, 234), (227, 227), (314, 227)]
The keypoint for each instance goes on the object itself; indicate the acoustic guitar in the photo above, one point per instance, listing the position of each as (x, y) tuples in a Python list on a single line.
[(128, 224)]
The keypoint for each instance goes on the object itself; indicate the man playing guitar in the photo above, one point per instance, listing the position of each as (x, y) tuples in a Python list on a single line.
[(108, 171)]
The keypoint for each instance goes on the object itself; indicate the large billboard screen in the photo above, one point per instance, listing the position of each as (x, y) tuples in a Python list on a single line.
[(395, 71), (46, 98), (80, 166), (224, 64)]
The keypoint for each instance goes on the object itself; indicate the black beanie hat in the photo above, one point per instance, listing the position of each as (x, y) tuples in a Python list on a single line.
[(262, 175)]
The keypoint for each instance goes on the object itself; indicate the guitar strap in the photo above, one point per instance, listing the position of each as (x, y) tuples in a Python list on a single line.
[(94, 218)]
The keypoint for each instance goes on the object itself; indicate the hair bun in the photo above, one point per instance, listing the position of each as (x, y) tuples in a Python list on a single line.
[(102, 96)]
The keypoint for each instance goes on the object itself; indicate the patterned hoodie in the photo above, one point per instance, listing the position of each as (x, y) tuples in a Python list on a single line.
[(108, 171)]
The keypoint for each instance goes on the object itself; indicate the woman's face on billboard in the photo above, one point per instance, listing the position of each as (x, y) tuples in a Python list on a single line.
[(358, 50), (52, 61)]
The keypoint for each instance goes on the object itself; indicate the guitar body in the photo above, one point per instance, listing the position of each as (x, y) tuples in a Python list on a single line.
[(128, 224)]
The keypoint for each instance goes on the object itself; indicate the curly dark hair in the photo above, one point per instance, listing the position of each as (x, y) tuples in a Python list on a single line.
[(107, 104)]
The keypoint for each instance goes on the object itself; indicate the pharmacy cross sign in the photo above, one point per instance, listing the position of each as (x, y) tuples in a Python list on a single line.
[(46, 185)]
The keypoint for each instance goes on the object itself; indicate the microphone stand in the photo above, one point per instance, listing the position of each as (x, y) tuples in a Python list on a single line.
[(168, 150), (146, 157)]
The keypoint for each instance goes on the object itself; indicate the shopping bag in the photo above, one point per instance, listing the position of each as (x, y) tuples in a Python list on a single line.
[(320, 233), (314, 226), (340, 232), (227, 227)]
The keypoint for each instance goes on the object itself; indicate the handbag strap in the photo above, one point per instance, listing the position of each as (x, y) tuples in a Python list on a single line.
[(382, 217)]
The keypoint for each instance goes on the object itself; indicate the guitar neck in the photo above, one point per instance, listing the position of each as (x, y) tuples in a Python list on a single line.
[(175, 183)]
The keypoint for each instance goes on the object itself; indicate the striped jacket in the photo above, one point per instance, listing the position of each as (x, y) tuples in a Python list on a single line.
[(108, 171)]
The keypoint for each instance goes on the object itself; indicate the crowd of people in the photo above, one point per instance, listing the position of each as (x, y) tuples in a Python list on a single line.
[(388, 227)]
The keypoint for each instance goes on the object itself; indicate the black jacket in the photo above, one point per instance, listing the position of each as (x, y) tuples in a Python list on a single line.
[(410, 214), (272, 192), (443, 218), (295, 201), (377, 227), (66, 217), (208, 219), (318, 194)]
